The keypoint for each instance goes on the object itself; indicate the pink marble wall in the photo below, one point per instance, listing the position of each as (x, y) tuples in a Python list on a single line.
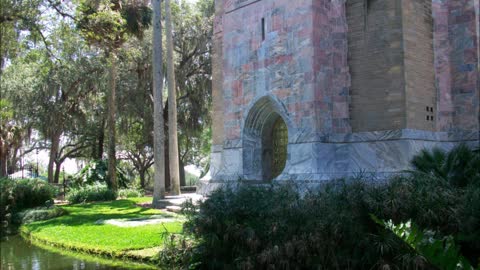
[(456, 64), (302, 61), (330, 66)]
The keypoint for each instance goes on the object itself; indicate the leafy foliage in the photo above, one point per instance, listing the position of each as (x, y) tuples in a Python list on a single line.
[(443, 252), (17, 17), (97, 172), (90, 193), (106, 23)]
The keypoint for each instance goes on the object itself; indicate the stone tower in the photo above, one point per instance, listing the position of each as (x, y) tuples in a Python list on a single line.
[(309, 90)]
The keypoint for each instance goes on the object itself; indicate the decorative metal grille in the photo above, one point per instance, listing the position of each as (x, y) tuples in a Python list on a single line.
[(279, 145)]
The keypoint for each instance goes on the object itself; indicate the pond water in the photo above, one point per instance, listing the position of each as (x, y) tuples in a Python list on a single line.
[(17, 253)]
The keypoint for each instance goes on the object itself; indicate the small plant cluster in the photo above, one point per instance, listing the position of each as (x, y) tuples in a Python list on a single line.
[(90, 193), (130, 193), (97, 172), (91, 184), (278, 227), (17, 195), (177, 251), (38, 214)]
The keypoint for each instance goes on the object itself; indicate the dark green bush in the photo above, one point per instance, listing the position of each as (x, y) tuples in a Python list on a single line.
[(32, 193), (37, 214), (273, 227), (25, 193), (16, 195), (90, 193)]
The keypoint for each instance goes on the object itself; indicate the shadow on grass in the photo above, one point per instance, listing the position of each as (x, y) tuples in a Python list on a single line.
[(88, 214)]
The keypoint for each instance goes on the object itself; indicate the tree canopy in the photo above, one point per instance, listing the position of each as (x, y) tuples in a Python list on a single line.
[(56, 78)]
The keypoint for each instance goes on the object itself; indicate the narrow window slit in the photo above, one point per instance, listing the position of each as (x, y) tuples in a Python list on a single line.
[(263, 29)]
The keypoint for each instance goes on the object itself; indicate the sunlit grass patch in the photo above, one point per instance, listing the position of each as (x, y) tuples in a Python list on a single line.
[(80, 229)]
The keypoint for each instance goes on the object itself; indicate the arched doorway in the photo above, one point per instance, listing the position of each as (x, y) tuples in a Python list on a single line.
[(265, 141), (280, 143), (274, 148)]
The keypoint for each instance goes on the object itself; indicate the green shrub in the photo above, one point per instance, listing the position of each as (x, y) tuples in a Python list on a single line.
[(25, 193), (130, 193), (37, 214), (252, 227), (16, 195), (97, 172), (274, 227), (32, 193), (176, 251), (90, 193)]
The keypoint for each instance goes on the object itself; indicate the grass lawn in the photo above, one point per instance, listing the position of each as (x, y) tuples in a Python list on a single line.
[(79, 230)]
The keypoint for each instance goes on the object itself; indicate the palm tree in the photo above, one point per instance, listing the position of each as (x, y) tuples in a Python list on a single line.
[(459, 166), (11, 135), (158, 129), (172, 106)]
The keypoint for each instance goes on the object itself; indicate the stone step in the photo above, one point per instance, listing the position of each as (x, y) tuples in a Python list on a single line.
[(168, 202), (180, 199)]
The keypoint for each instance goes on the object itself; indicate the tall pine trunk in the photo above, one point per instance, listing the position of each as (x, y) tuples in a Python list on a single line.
[(112, 160), (172, 107), (158, 131)]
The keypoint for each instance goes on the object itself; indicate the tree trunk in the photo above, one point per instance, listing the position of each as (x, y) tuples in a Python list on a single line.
[(55, 140), (58, 166), (12, 160), (172, 107), (112, 161), (158, 125), (98, 145), (142, 177), (3, 159), (168, 183), (183, 181), (101, 140)]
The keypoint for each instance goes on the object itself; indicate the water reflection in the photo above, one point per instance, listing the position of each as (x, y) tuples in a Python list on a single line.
[(17, 254)]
